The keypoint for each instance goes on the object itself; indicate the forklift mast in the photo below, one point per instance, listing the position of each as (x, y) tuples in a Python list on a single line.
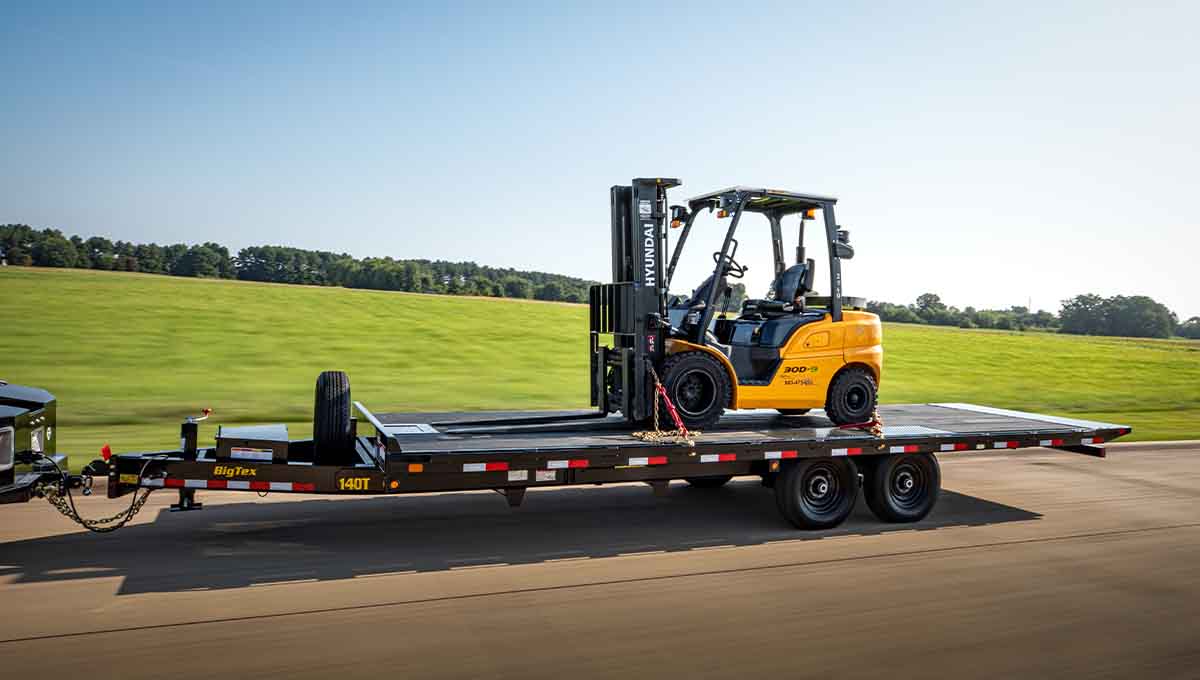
[(633, 307)]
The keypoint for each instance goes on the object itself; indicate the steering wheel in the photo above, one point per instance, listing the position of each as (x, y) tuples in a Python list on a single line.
[(732, 268)]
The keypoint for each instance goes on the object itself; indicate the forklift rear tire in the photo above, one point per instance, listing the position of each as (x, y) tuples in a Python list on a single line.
[(331, 416), (699, 387), (902, 488), (852, 397), (709, 482), (817, 493)]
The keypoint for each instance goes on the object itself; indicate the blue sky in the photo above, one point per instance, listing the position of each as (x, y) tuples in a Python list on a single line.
[(996, 154)]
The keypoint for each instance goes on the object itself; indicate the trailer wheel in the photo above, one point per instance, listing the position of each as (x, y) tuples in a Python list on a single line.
[(903, 487), (818, 493), (715, 482), (852, 397), (699, 386), (331, 416)]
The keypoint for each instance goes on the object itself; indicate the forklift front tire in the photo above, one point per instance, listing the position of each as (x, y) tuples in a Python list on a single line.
[(699, 387)]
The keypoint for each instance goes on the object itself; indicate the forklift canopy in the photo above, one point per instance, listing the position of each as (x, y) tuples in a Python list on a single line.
[(762, 200)]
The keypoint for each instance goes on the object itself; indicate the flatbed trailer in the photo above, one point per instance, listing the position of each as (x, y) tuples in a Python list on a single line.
[(399, 453)]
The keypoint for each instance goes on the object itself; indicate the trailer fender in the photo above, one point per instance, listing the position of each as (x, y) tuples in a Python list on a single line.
[(675, 346)]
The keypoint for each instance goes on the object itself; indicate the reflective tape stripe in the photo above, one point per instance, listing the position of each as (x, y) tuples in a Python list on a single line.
[(718, 457), (1050, 442), (1092, 440), (776, 455), (484, 467), (847, 452), (228, 484), (911, 448), (564, 464), (652, 460), (1005, 445), (953, 447)]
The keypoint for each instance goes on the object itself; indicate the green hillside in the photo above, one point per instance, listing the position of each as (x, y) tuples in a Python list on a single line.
[(129, 355)]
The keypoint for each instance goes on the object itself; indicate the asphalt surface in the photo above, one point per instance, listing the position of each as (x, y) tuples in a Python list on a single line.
[(1037, 564)]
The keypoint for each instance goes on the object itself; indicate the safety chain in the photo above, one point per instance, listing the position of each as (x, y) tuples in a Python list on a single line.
[(680, 435), (101, 526), (874, 425)]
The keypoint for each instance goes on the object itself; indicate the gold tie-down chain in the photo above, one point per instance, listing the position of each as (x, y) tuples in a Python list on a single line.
[(680, 435)]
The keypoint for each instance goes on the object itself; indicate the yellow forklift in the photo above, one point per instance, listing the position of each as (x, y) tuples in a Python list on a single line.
[(792, 350)]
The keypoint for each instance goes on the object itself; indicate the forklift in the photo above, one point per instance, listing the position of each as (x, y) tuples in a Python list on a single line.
[(792, 350)]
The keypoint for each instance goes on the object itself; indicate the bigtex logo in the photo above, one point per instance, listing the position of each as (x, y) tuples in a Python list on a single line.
[(231, 471)]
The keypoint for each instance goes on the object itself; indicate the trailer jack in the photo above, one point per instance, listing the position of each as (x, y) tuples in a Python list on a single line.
[(514, 494), (187, 501)]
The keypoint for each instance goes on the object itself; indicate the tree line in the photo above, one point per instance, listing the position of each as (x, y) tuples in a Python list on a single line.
[(1135, 316), (22, 245)]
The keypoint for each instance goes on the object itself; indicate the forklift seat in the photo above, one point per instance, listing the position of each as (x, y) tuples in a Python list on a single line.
[(791, 282)]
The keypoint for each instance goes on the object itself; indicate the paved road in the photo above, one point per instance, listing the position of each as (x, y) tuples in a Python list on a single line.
[(1041, 564)]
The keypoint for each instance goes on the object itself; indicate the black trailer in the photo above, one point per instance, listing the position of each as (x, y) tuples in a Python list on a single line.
[(815, 468)]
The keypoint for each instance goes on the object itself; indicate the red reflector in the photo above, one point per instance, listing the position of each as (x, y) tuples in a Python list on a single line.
[(1097, 440), (304, 486), (656, 460), (1012, 445), (726, 457), (494, 467), (853, 452), (260, 486), (912, 448), (1056, 442), (788, 454), (217, 484), (173, 483), (960, 447), (105, 452), (579, 463)]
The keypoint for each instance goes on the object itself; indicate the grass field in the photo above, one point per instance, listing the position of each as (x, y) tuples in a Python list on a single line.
[(129, 355)]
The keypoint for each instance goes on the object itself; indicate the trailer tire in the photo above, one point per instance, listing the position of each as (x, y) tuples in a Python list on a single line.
[(714, 482), (699, 387), (332, 437), (852, 396), (817, 493), (902, 488)]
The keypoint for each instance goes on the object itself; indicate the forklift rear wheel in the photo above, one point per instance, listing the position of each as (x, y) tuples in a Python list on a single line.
[(852, 397), (709, 482), (699, 387), (903, 487), (818, 493), (331, 415)]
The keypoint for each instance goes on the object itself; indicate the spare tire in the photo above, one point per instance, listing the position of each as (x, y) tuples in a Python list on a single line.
[(332, 437)]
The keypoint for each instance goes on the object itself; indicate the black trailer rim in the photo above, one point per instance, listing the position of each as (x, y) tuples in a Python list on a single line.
[(695, 392), (820, 490), (908, 486)]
